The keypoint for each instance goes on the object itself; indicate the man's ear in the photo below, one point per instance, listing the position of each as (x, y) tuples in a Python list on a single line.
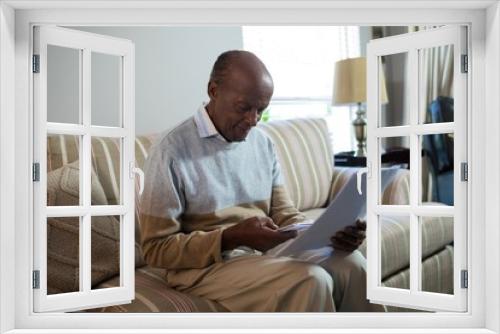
[(212, 90)]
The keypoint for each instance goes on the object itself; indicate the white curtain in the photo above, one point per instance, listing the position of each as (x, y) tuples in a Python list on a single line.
[(436, 70), (436, 79)]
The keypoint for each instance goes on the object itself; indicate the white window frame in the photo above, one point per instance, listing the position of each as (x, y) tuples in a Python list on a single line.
[(86, 44), (410, 45), (483, 18)]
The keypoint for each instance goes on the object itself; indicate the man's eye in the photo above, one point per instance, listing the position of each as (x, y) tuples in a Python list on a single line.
[(245, 109)]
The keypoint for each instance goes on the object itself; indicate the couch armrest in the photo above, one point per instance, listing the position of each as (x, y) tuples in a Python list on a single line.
[(398, 190), (340, 177), (396, 193), (437, 234)]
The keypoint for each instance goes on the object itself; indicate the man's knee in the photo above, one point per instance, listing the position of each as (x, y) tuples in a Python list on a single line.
[(346, 264), (355, 262), (311, 273)]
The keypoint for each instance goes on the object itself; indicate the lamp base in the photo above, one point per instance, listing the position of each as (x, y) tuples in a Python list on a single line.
[(359, 125)]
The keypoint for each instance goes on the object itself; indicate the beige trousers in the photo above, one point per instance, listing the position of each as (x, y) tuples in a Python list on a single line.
[(320, 282)]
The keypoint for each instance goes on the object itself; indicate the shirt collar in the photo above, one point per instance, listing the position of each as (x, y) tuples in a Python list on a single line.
[(206, 127)]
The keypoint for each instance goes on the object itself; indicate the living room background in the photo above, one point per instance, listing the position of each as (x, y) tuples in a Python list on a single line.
[(173, 65)]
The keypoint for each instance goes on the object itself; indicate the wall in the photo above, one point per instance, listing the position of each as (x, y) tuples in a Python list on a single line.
[(172, 69), (365, 35)]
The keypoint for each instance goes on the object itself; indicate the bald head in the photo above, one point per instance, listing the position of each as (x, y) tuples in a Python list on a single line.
[(240, 88), (233, 61)]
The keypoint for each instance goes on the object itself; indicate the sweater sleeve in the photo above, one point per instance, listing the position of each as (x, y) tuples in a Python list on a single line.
[(162, 204)]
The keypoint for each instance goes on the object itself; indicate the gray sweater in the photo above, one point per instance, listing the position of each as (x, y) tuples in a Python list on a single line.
[(197, 185)]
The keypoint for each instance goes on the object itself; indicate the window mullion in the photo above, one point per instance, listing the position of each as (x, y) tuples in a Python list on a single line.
[(127, 116), (85, 165), (413, 93)]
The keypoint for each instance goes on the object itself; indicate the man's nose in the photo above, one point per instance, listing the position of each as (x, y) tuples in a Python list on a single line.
[(253, 117)]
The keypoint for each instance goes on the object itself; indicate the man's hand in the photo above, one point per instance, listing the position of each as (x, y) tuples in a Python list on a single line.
[(259, 233), (350, 237)]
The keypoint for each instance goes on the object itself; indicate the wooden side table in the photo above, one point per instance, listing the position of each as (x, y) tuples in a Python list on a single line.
[(394, 156)]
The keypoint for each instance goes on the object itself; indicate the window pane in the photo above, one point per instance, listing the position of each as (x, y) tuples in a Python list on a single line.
[(63, 85), (63, 255), (436, 84), (394, 234), (437, 168), (106, 90), (394, 151), (301, 59), (437, 254), (393, 90), (106, 159), (63, 170), (105, 251)]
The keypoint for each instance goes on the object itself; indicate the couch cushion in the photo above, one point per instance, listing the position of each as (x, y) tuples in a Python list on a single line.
[(63, 234), (63, 149), (305, 154), (63, 187), (341, 176), (437, 232), (396, 193), (153, 295), (437, 274), (313, 213)]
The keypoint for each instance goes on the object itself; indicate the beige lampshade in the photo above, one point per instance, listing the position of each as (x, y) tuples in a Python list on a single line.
[(349, 83)]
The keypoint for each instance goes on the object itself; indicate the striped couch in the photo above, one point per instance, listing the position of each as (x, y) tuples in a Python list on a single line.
[(305, 153)]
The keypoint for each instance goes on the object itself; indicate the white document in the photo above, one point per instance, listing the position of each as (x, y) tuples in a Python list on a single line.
[(343, 211)]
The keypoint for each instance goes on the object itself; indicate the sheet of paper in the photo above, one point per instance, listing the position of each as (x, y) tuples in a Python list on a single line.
[(348, 206)]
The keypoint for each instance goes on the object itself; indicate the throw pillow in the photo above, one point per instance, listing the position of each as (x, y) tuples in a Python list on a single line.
[(63, 234)]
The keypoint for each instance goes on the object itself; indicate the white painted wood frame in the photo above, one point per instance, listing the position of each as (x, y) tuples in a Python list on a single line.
[(85, 44), (410, 45), (483, 17)]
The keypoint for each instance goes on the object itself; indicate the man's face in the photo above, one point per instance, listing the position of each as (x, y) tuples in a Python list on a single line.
[(238, 104)]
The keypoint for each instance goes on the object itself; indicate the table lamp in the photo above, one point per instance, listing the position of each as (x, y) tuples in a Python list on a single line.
[(349, 86)]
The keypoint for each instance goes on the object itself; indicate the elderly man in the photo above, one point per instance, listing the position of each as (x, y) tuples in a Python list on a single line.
[(213, 202)]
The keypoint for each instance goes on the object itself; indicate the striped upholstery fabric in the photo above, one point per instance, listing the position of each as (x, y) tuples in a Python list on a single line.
[(61, 150), (303, 150), (340, 177), (437, 232), (396, 193), (64, 149), (151, 292), (437, 274), (305, 154), (153, 295)]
